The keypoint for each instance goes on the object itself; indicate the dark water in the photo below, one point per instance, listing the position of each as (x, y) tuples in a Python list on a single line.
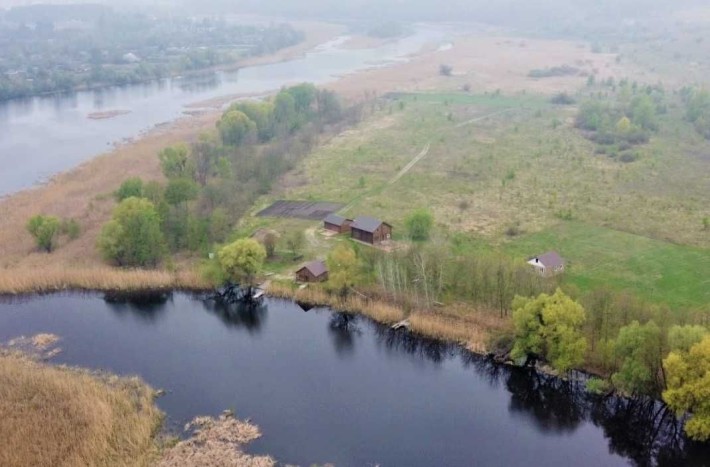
[(324, 388), (42, 136)]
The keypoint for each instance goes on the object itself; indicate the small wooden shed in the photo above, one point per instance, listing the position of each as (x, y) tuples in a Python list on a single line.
[(315, 271), (370, 230), (336, 223)]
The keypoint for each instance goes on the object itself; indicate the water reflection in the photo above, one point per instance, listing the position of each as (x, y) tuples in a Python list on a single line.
[(552, 403), (430, 350), (249, 316), (149, 307), (343, 330)]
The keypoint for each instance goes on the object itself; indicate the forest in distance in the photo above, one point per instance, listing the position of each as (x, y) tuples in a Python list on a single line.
[(49, 49)]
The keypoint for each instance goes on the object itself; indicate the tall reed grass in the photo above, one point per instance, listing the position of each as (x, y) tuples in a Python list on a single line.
[(56, 416), (51, 279)]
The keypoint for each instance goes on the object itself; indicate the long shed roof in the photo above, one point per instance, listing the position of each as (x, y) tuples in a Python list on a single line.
[(317, 268), (367, 224)]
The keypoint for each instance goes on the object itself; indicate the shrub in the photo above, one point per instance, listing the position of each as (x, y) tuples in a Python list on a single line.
[(132, 187), (133, 236), (419, 224), (44, 229)]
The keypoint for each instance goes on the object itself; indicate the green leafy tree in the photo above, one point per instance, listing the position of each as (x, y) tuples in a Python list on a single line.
[(295, 241), (304, 95), (262, 114), (343, 269), (639, 349), (175, 162), (130, 187), (133, 236), (270, 241), (180, 191), (235, 128), (45, 230), (688, 380), (419, 224), (242, 260), (285, 114), (549, 326), (682, 338), (643, 112)]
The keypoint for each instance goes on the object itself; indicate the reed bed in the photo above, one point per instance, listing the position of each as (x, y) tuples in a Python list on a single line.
[(460, 323), (52, 279), (57, 416)]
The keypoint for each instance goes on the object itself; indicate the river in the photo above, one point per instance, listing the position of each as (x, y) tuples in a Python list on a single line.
[(42, 136), (324, 388)]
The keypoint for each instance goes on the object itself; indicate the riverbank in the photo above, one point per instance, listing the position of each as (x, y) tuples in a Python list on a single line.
[(458, 323)]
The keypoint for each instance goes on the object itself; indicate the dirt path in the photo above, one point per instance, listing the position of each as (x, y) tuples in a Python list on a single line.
[(411, 164)]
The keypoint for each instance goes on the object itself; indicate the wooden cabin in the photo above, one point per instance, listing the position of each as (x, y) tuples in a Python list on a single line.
[(336, 223), (315, 271), (370, 230)]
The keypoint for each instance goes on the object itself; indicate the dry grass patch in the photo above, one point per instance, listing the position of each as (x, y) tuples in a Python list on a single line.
[(216, 442), (64, 417), (57, 278)]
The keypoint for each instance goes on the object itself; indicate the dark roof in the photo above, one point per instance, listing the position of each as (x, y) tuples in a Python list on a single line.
[(317, 268), (551, 259), (335, 219), (368, 224)]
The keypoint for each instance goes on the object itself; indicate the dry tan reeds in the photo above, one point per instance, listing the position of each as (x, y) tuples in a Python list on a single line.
[(461, 324), (55, 416), (51, 279)]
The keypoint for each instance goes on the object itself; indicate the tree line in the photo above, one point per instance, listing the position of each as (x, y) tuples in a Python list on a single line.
[(211, 183)]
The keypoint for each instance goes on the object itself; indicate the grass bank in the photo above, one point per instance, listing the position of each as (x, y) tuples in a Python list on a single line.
[(58, 278), (55, 416), (458, 323)]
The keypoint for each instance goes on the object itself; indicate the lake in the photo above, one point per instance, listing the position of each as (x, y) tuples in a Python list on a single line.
[(42, 136), (325, 388)]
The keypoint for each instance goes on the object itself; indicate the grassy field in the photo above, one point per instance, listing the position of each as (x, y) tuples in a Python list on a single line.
[(662, 272), (507, 169)]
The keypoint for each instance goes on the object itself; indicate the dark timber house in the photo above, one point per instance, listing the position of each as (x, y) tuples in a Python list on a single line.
[(370, 230), (336, 223), (315, 271)]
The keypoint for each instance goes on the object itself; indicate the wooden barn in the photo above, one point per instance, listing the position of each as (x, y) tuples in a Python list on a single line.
[(336, 223), (370, 230), (315, 271)]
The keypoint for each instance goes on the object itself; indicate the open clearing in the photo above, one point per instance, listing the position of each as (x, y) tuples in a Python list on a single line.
[(506, 169)]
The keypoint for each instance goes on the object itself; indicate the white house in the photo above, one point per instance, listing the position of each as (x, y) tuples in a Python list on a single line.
[(548, 264)]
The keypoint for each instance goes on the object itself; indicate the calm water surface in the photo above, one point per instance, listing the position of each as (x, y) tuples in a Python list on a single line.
[(42, 136), (327, 389)]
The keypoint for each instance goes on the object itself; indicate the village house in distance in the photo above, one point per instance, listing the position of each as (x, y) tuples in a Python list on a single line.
[(548, 264), (314, 271)]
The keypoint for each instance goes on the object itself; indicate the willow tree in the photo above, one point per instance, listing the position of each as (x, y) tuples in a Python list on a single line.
[(688, 382), (242, 260), (549, 326)]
